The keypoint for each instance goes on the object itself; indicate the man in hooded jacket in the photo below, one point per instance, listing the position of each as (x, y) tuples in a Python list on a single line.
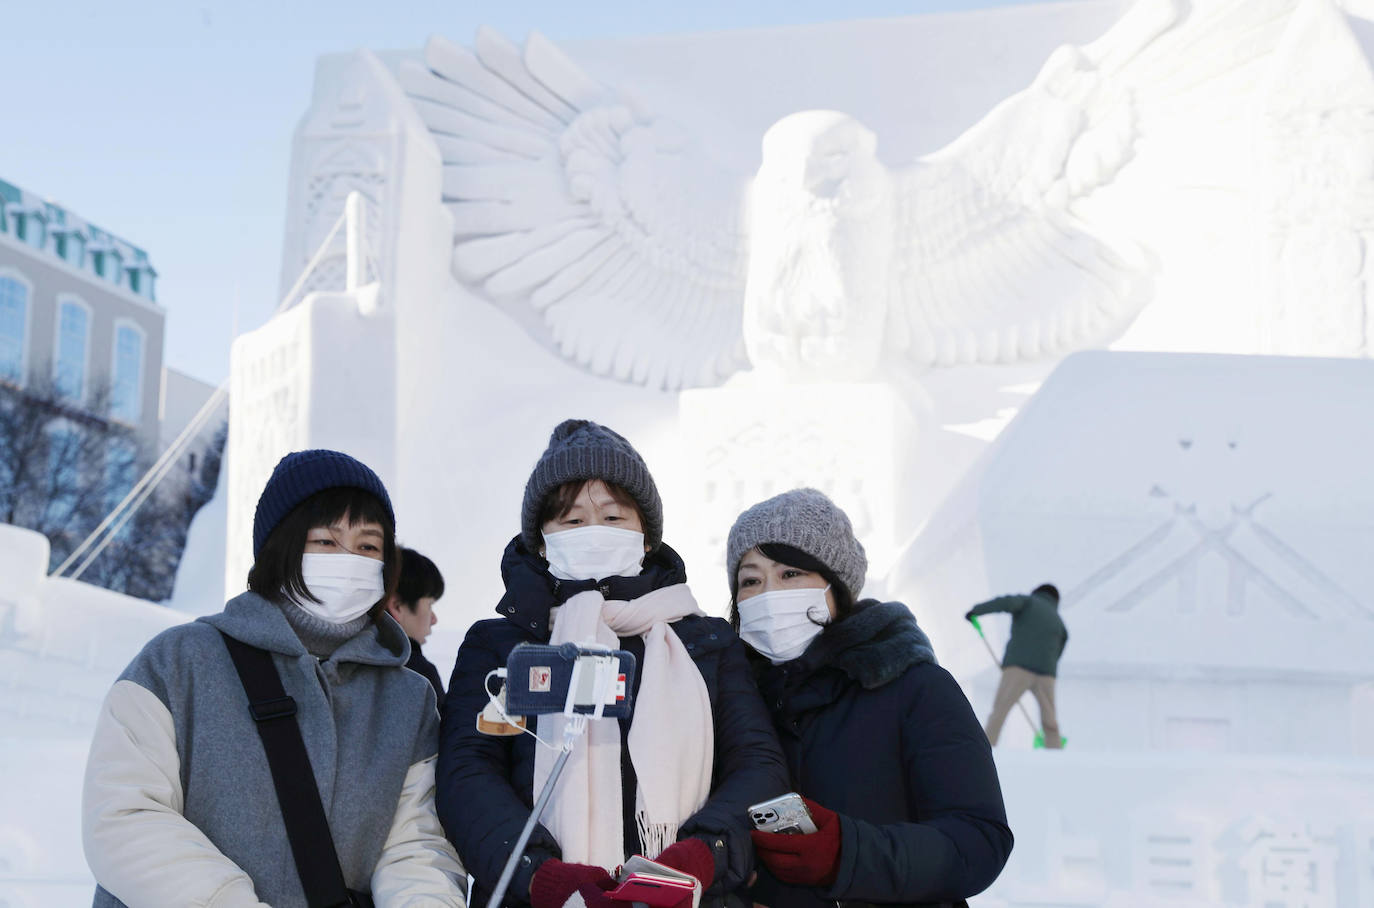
[(1038, 638)]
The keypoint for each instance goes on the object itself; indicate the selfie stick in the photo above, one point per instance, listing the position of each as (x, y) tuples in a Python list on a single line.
[(574, 724), (571, 731)]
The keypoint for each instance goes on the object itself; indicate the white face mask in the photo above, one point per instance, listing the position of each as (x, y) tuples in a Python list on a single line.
[(781, 624), (346, 585), (591, 553)]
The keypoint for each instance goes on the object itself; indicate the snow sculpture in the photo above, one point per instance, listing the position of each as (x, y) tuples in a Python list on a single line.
[(300, 380), (1316, 145), (584, 211), (820, 239), (345, 144), (751, 440), (577, 200)]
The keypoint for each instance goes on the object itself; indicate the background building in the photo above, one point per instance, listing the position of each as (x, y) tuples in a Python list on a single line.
[(78, 310), (88, 405), (81, 330)]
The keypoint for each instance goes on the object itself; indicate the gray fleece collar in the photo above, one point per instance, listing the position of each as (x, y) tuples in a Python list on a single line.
[(253, 620)]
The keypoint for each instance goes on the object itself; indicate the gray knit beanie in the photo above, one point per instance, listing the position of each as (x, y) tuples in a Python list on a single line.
[(582, 449), (807, 520)]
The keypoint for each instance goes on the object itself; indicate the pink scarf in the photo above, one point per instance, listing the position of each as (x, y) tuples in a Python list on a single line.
[(671, 740)]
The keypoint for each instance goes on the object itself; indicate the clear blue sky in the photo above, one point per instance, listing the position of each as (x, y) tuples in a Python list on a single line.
[(169, 123)]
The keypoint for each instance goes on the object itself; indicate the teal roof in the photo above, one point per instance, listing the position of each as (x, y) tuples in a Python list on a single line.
[(95, 238)]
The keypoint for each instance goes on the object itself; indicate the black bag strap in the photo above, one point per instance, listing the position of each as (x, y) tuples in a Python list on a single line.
[(274, 714)]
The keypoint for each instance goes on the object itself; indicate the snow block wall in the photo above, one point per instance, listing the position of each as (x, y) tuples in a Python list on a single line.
[(1179, 830), (751, 440), (62, 644)]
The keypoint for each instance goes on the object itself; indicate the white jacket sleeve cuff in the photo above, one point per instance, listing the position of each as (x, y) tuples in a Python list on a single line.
[(418, 867), (138, 845)]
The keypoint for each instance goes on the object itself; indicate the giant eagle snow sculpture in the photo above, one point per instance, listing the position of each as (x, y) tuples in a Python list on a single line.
[(649, 263)]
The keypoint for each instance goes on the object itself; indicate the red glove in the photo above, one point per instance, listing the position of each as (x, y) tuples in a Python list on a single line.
[(555, 881), (803, 860), (693, 857)]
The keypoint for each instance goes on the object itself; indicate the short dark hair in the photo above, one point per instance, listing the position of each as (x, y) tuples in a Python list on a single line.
[(419, 579), (795, 557), (561, 500), (1046, 589), (276, 572)]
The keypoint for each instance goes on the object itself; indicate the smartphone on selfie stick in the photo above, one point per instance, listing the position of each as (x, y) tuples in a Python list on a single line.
[(581, 682)]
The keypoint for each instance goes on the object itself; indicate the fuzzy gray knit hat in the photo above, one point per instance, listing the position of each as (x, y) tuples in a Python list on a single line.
[(582, 449), (807, 520)]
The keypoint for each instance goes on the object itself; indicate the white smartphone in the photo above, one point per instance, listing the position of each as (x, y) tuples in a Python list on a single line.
[(786, 814)]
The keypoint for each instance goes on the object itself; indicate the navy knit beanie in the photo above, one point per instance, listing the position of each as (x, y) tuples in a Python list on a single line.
[(301, 474), (581, 449)]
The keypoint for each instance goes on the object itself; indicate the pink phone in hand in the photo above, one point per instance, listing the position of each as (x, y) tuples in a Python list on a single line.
[(654, 891), (654, 884)]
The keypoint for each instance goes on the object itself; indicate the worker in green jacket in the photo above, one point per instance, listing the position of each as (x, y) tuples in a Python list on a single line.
[(1038, 637)]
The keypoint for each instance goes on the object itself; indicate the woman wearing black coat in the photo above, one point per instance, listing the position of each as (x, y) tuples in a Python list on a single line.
[(675, 780), (879, 739)]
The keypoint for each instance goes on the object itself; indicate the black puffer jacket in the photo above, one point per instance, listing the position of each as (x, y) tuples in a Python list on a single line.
[(876, 731), (485, 784)]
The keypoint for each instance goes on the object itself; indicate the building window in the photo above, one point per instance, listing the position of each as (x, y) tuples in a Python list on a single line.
[(73, 248), (109, 264), (32, 230), (14, 318), (126, 386), (73, 336), (114, 268)]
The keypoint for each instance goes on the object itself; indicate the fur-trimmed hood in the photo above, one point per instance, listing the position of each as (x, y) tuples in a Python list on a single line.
[(874, 645)]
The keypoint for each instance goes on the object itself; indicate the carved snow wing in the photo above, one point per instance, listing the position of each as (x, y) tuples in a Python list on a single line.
[(993, 263), (570, 198)]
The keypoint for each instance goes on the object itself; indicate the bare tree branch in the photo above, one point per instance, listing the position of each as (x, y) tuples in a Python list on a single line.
[(63, 467)]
